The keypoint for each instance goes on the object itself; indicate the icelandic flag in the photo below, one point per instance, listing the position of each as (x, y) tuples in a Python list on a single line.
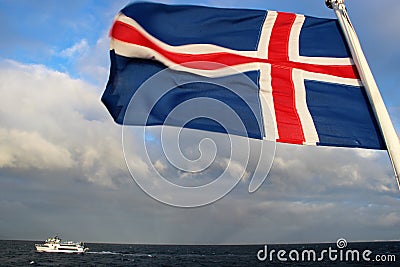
[(169, 63)]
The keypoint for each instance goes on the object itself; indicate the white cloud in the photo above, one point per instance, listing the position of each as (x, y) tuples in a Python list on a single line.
[(51, 121), (160, 166), (25, 150), (90, 62), (79, 48), (94, 62)]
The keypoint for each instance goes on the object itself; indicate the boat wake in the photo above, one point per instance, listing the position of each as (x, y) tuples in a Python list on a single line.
[(120, 253)]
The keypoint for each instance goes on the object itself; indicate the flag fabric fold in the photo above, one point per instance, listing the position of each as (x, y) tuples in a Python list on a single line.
[(257, 64)]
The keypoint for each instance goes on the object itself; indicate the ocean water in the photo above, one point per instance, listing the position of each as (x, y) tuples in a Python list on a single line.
[(22, 253)]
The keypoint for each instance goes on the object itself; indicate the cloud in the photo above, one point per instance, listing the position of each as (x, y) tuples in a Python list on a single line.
[(26, 150), (51, 121), (75, 50), (94, 63)]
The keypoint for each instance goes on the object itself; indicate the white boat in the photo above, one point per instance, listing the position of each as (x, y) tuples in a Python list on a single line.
[(55, 244)]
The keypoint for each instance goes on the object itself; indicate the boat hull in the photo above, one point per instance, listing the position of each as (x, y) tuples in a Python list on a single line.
[(61, 249)]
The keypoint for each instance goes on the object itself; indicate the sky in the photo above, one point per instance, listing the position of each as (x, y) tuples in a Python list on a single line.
[(62, 167)]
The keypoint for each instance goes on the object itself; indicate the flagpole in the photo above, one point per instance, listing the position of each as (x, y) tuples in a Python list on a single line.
[(381, 114)]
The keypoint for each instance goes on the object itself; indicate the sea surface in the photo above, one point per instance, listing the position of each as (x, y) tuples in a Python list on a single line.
[(22, 253)]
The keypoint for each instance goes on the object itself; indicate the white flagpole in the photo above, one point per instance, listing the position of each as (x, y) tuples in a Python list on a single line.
[(374, 96)]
